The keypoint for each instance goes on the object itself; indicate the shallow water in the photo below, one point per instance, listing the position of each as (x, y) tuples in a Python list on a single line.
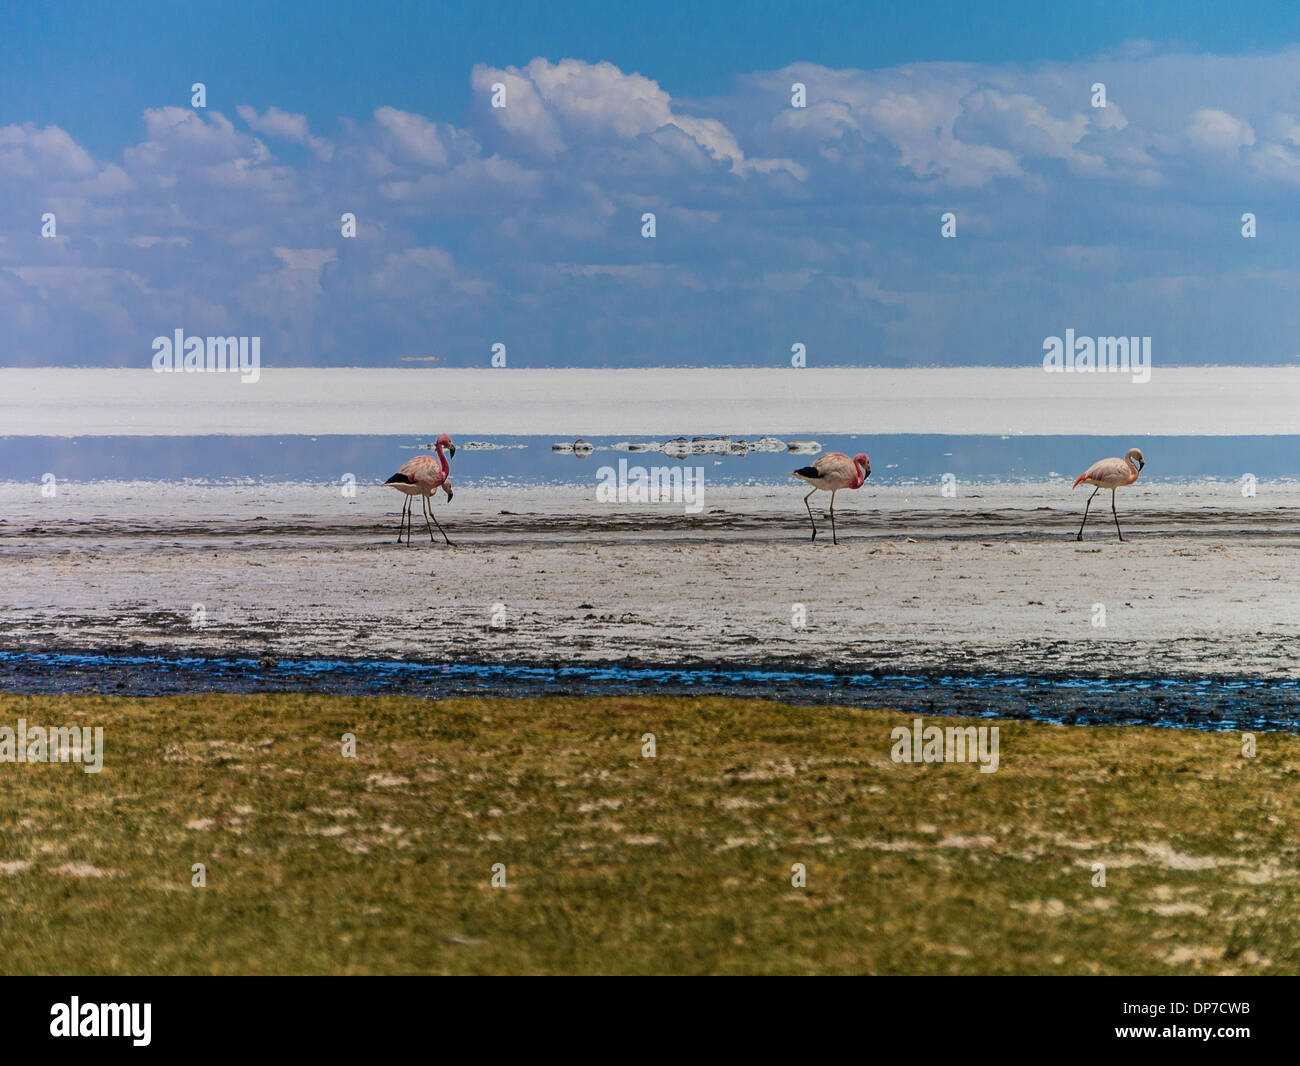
[(899, 458), (1184, 703)]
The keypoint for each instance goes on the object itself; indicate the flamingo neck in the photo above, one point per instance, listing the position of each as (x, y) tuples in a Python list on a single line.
[(859, 477), (442, 459)]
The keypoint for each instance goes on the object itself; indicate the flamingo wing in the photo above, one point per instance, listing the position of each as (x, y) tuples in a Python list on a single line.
[(423, 470), (833, 470), (835, 464), (1107, 473)]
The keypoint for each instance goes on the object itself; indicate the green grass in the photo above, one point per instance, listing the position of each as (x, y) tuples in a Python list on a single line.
[(617, 863)]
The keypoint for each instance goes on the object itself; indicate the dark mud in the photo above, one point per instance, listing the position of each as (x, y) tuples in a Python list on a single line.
[(1219, 704), (1279, 525)]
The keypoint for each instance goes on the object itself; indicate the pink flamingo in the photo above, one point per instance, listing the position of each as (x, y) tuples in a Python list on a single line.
[(1110, 474), (832, 472), (422, 476)]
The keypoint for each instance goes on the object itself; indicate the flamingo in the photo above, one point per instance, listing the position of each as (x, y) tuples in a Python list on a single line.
[(832, 472), (423, 476), (1110, 474)]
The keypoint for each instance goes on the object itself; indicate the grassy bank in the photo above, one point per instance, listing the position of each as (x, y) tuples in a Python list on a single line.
[(616, 863)]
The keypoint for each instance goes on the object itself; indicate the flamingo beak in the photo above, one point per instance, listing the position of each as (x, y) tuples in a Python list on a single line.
[(452, 448)]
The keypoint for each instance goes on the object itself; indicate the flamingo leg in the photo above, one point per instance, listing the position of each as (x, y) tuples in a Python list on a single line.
[(424, 506), (1085, 512), (833, 537), (402, 521), (1112, 511), (428, 513), (810, 517)]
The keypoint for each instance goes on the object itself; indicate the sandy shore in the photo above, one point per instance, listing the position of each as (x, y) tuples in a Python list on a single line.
[(915, 585)]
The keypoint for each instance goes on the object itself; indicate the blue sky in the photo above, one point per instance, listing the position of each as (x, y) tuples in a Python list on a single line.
[(775, 225)]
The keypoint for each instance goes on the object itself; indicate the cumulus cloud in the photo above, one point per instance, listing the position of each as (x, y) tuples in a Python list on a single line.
[(413, 137), (1026, 126), (312, 259), (42, 153), (286, 126), (1277, 162), (1218, 132), (471, 186), (551, 107), (875, 122)]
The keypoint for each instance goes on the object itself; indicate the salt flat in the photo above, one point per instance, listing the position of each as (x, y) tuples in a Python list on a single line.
[(1205, 585), (1214, 401)]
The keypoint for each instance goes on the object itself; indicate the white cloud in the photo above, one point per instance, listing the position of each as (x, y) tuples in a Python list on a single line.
[(312, 259), (471, 186), (1277, 162), (286, 126), (1218, 132), (45, 153), (1025, 125), (554, 106), (412, 137)]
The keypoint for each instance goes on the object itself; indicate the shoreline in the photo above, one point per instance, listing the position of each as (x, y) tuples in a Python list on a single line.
[(1199, 703), (941, 587)]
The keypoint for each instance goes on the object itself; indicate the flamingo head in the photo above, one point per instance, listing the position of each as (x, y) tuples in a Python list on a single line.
[(445, 442), (1134, 455), (865, 463)]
